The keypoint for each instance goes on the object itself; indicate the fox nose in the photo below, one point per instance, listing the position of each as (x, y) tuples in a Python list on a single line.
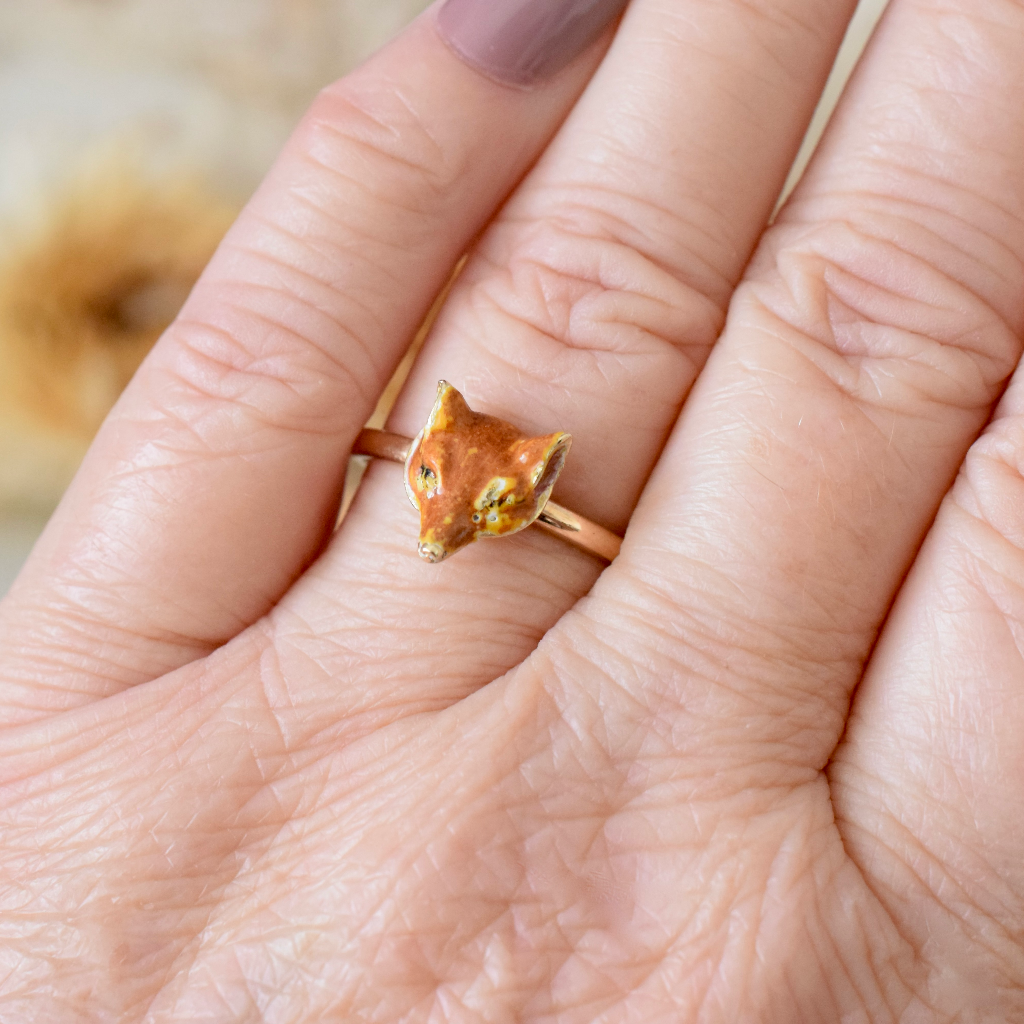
[(432, 551)]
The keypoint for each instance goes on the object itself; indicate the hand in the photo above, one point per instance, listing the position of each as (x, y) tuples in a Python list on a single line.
[(253, 775)]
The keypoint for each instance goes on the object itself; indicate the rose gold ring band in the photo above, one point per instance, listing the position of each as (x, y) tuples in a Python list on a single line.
[(568, 526)]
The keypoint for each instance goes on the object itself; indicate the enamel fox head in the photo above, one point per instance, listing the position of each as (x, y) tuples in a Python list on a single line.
[(472, 475)]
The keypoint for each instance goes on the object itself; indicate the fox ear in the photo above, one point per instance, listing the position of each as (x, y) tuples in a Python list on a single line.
[(450, 409), (544, 461)]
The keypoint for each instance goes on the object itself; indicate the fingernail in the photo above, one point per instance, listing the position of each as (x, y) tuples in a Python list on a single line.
[(521, 42)]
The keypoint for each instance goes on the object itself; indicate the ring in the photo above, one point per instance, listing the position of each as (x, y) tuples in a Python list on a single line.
[(471, 476)]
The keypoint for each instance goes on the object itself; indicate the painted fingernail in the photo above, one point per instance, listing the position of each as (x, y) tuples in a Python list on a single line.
[(523, 41)]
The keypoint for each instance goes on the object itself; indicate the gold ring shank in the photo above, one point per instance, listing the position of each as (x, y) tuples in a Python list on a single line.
[(554, 519)]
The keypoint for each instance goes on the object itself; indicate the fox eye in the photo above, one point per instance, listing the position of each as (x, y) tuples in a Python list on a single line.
[(426, 476), (476, 517)]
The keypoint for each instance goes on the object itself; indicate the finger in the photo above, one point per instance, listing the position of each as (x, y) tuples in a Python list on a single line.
[(875, 328), (217, 475), (588, 307), (930, 770)]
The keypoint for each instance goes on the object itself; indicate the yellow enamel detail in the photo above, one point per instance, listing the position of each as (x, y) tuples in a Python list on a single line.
[(496, 488)]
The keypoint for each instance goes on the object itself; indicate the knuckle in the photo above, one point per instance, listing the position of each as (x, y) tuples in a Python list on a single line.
[(990, 490), (998, 450), (578, 279), (373, 135), (243, 361), (890, 311)]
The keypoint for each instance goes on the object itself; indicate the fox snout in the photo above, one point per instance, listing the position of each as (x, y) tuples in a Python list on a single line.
[(432, 551)]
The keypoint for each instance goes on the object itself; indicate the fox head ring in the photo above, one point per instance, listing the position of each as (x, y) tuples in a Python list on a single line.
[(471, 475)]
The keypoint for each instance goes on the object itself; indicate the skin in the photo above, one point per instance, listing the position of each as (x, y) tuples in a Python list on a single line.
[(766, 767)]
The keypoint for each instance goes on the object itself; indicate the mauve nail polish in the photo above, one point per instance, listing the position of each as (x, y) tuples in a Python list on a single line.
[(523, 41)]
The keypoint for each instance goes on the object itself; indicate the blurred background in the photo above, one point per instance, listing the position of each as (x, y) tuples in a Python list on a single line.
[(131, 133)]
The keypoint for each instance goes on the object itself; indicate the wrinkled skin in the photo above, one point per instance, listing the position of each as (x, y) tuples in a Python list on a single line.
[(766, 767)]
